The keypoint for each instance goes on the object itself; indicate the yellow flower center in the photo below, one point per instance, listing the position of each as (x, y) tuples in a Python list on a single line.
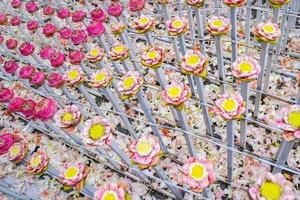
[(143, 148), (36, 161), (14, 150), (71, 172), (193, 60), (177, 23), (144, 20), (110, 195), (128, 82), (95, 52), (97, 131), (217, 23), (152, 54), (294, 119), (68, 117), (73, 74), (245, 67), (270, 190), (118, 49), (197, 171), (268, 28), (100, 77), (229, 105), (174, 92)]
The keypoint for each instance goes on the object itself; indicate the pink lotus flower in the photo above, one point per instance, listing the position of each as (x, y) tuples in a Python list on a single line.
[(49, 30), (198, 173), (278, 3), (74, 75), (55, 80), (153, 57), (136, 5), (194, 63), (10, 66), (75, 57), (48, 10), (28, 108), (67, 117), (3, 19), (177, 26), (101, 78), (119, 52), (32, 25), (38, 78), (267, 32), (73, 174), (195, 3), (230, 106), (115, 9), (95, 29), (65, 33), (26, 49), (78, 37), (97, 131), (78, 16), (273, 187), (234, 3), (98, 15), (176, 93), (16, 3), (31, 6), (11, 43), (17, 152), (26, 72), (130, 84), (6, 94), (117, 28), (46, 52), (111, 191), (63, 13), (145, 151), (6, 141), (245, 68), (15, 105), (37, 163), (218, 25), (15, 21), (57, 59), (143, 24), (95, 55), (45, 109)]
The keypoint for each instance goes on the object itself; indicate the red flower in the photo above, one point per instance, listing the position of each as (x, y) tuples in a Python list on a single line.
[(38, 78), (26, 49), (3, 18), (136, 5), (95, 29), (26, 72), (98, 15), (16, 3), (57, 59), (45, 109), (75, 57), (28, 108), (46, 52), (10, 66), (55, 80), (6, 94), (49, 30), (6, 141), (48, 10), (15, 105), (32, 25), (11, 43), (15, 21), (31, 6), (65, 33), (78, 37), (63, 13), (115, 9), (78, 16)]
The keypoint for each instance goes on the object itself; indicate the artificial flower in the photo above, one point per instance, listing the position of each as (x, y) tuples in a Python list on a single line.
[(65, 33), (45, 109), (78, 16), (176, 94), (3, 19), (37, 78), (73, 174), (136, 5), (115, 9), (26, 72), (98, 15), (111, 191), (75, 57), (15, 104), (57, 59), (218, 25), (153, 57), (177, 26), (245, 68), (15, 21), (11, 43), (267, 32), (194, 63), (17, 151), (6, 94), (117, 28), (78, 37), (101, 78), (48, 10), (10, 66), (195, 3), (16, 3), (55, 80), (28, 108), (130, 84), (26, 49), (67, 117), (95, 54), (46, 52), (63, 13), (31, 6), (234, 3), (143, 24), (119, 52), (49, 30), (95, 29), (278, 3), (38, 163), (74, 75), (32, 25), (6, 141)]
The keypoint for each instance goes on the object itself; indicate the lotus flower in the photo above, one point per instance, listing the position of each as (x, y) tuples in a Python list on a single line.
[(26, 72), (267, 32), (63, 13), (15, 21), (46, 52), (177, 26), (37, 163), (16, 3), (272, 187), (32, 25), (78, 37), (10, 66), (15, 104), (230, 106), (55, 80), (65, 33), (245, 68), (6, 94), (176, 94), (111, 191), (145, 151), (6, 141), (98, 15), (11, 43), (17, 152), (73, 174), (101, 78), (278, 3), (288, 119), (195, 3), (198, 173), (3, 19), (136, 5), (28, 108), (115, 9), (26, 49), (48, 10), (57, 59), (45, 109), (95, 55), (130, 84), (74, 75), (31, 6), (117, 28), (38, 78), (49, 30), (143, 24), (67, 117), (78, 16), (218, 25), (234, 3), (95, 29), (119, 52), (97, 131), (153, 57), (194, 63), (75, 57)]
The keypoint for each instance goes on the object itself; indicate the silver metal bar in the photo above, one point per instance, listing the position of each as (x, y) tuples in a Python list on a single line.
[(243, 125), (220, 62), (230, 143)]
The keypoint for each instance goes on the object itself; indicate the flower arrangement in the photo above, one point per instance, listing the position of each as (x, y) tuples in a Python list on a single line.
[(67, 117), (101, 78), (74, 76), (245, 68), (230, 106), (38, 163), (234, 3), (17, 151), (117, 28), (6, 141), (194, 63), (278, 3), (112, 191), (119, 52), (271, 186), (97, 131), (143, 24), (130, 84), (176, 94), (145, 152), (195, 3), (198, 173), (153, 57), (218, 25), (267, 32), (177, 26), (95, 55)]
